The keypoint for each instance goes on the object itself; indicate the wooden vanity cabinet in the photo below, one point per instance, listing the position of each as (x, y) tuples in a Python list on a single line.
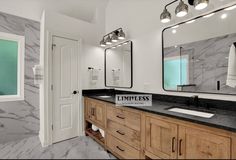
[(95, 111), (134, 134), (198, 144), (167, 138), (161, 138)]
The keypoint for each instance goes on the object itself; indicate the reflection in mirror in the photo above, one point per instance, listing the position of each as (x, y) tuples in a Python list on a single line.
[(200, 56), (118, 66)]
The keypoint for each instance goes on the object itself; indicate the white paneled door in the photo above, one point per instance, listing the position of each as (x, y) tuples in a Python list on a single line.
[(65, 89)]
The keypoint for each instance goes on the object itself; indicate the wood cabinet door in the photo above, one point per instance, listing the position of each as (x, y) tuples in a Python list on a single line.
[(90, 109), (100, 115), (161, 138), (198, 144)]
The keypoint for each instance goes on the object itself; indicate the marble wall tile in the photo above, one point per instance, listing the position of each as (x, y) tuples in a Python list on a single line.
[(20, 119)]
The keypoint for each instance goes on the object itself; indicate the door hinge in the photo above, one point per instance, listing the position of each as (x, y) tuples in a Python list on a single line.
[(53, 45), (52, 87), (52, 127)]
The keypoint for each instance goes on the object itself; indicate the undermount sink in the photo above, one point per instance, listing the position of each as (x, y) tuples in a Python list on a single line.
[(105, 96), (191, 112)]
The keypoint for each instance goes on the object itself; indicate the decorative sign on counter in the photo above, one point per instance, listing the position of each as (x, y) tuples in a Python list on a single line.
[(133, 100)]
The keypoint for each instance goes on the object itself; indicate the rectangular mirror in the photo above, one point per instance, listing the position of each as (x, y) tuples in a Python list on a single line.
[(199, 55), (118, 66)]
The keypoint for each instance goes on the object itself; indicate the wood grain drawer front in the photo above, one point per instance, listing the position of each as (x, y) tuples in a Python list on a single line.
[(127, 135), (123, 150), (198, 144), (127, 118)]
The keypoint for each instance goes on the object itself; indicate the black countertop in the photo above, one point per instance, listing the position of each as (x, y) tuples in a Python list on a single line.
[(223, 119)]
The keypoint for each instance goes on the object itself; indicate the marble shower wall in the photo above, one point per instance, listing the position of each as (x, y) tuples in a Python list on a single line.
[(20, 119), (208, 63)]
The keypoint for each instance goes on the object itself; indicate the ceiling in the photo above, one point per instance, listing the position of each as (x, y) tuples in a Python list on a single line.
[(32, 9), (81, 9)]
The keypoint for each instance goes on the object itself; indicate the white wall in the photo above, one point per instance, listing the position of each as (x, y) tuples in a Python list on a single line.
[(140, 19), (93, 56)]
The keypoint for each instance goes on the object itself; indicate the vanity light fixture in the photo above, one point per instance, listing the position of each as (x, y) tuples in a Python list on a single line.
[(223, 16), (121, 35), (200, 4), (165, 16), (103, 43), (182, 9), (113, 37), (108, 40)]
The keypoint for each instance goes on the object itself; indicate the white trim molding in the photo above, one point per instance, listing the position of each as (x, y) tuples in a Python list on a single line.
[(20, 68)]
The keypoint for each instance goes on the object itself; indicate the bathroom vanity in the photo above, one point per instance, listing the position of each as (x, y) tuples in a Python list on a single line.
[(156, 133)]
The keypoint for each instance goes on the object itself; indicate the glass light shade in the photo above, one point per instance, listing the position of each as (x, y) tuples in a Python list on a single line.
[(102, 43), (108, 40), (200, 4), (181, 10), (121, 35), (165, 16), (114, 37)]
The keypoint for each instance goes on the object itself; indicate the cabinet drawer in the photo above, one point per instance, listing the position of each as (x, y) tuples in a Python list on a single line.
[(124, 117), (123, 150), (127, 135)]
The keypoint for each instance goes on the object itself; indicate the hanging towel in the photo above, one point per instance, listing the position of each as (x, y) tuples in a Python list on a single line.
[(94, 76), (231, 77), (116, 76)]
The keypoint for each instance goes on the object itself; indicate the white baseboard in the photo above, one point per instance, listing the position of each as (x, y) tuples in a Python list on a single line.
[(42, 141)]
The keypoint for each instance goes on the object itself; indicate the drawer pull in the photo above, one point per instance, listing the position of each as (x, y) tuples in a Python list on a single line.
[(120, 133), (180, 147), (120, 117), (173, 144), (122, 150)]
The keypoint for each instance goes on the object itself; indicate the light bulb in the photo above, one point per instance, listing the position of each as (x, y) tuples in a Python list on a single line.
[(200, 4)]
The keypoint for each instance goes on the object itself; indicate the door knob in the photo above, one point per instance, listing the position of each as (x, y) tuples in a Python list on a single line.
[(75, 92)]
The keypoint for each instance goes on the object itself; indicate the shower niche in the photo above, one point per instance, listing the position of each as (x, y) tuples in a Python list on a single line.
[(199, 55)]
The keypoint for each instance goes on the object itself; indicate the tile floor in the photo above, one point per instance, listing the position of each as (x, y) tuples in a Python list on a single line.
[(30, 148)]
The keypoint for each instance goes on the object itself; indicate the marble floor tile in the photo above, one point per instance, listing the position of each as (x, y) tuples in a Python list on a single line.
[(77, 148)]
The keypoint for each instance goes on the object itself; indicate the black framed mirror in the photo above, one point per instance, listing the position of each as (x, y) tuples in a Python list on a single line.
[(198, 55), (119, 65)]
